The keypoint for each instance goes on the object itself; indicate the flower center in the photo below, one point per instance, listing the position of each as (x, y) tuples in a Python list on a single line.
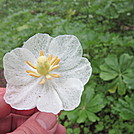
[(44, 66)]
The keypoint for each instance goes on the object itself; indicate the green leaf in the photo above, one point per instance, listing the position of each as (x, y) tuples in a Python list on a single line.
[(99, 126), (107, 72), (87, 95), (82, 116), (129, 78), (112, 62), (119, 71), (121, 87), (96, 100), (92, 117), (114, 131), (113, 89), (113, 85), (107, 75), (95, 104), (76, 130), (126, 108), (125, 62), (69, 131), (72, 114)]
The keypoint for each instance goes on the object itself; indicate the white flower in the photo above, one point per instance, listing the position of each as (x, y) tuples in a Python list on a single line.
[(47, 73)]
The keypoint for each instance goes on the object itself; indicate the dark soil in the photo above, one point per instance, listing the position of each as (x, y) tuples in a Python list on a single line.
[(2, 79)]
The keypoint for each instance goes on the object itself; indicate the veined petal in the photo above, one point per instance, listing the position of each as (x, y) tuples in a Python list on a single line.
[(60, 94), (49, 101), (68, 49), (82, 71), (15, 66), (38, 42), (69, 91), (23, 97)]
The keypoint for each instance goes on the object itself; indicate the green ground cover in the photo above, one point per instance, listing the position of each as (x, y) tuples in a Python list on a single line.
[(105, 29)]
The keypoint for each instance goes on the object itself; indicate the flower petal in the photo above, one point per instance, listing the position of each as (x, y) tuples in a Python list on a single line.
[(49, 100), (69, 91), (23, 97), (38, 42), (82, 71), (68, 49), (53, 96), (60, 94), (15, 66)]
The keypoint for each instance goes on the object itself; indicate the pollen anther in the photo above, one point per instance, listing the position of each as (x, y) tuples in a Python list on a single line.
[(42, 82), (53, 60), (55, 75), (54, 67), (48, 77), (34, 75), (44, 66), (30, 64), (50, 57), (56, 62), (29, 71), (41, 53)]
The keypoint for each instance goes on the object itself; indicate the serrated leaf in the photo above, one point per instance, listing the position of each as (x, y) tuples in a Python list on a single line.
[(108, 72), (127, 115), (113, 89), (112, 62), (96, 108), (96, 100), (95, 104), (119, 71), (107, 75), (113, 85), (121, 86), (88, 95), (126, 108), (72, 114), (125, 62), (92, 117), (82, 116), (129, 78)]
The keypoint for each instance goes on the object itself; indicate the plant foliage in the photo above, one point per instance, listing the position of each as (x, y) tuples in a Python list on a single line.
[(105, 29)]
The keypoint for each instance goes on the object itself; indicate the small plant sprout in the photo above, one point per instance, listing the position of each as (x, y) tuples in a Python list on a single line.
[(47, 73)]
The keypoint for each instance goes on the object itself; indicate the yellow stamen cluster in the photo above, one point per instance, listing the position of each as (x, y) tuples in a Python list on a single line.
[(44, 66)]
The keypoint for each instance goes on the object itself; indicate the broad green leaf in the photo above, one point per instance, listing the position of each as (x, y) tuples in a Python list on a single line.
[(72, 114), (107, 75), (113, 85), (76, 130), (114, 131), (112, 62), (120, 71), (96, 100), (113, 89), (95, 104), (88, 95), (129, 78), (126, 108), (121, 86), (92, 117), (127, 115), (96, 108), (82, 116), (126, 62), (69, 131), (99, 126)]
